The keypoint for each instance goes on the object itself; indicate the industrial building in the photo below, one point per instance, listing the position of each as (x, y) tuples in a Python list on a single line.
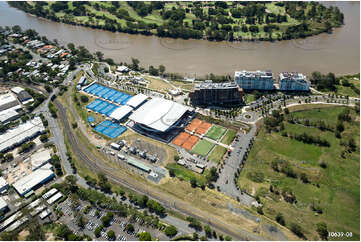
[(40, 158), (254, 80), (4, 185), (160, 119), (8, 115), (22, 133), (8, 101), (121, 113), (23, 96), (293, 81), (33, 180), (216, 94), (3, 205)]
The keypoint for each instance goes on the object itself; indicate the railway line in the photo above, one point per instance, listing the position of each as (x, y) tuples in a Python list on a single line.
[(97, 166)]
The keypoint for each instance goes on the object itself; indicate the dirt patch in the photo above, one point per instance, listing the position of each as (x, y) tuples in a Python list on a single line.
[(23, 234)]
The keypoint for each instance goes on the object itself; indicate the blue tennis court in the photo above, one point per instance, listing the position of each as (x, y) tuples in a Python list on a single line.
[(102, 107), (108, 93), (110, 129), (91, 119)]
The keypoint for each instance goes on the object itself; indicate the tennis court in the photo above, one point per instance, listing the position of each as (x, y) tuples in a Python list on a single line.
[(108, 93), (202, 129), (110, 129), (102, 107), (202, 147), (216, 132), (181, 138), (193, 125), (190, 142)]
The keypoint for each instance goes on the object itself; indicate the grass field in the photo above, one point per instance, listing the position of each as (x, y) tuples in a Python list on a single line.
[(215, 132), (186, 174), (202, 147), (217, 154), (229, 136), (334, 188)]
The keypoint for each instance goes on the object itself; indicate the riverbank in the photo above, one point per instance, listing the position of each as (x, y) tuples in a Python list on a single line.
[(194, 58)]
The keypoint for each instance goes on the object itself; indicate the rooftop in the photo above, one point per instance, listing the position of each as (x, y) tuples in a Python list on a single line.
[(136, 100), (17, 90), (3, 204), (253, 74), (28, 182), (159, 114), (3, 182), (39, 158), (292, 75), (7, 98), (223, 85), (121, 112)]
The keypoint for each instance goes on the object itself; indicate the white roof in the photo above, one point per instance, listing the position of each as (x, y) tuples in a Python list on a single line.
[(136, 100), (54, 198), (17, 90), (21, 133), (7, 99), (44, 214), (3, 182), (159, 113), (121, 112), (35, 203), (11, 219), (50, 193), (37, 210), (122, 68), (3, 204), (40, 158), (28, 182), (7, 114)]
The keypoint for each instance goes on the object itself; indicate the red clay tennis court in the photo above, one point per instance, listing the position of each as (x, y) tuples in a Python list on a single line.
[(190, 142), (202, 129), (181, 138), (193, 125)]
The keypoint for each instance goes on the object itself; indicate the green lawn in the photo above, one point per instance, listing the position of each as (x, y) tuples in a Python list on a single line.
[(229, 136), (336, 188), (215, 132), (186, 174), (217, 153), (202, 147)]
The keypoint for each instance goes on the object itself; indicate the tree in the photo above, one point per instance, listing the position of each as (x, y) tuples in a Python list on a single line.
[(195, 236), (296, 229), (208, 231), (161, 69), (111, 234), (322, 230), (170, 231), (135, 64), (98, 230), (304, 178), (280, 219), (193, 182), (44, 138), (228, 238), (81, 221), (99, 55), (84, 99), (129, 228), (144, 236)]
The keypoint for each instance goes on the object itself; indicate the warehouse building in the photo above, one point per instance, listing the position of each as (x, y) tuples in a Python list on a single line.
[(254, 80), (40, 158), (23, 96), (22, 133), (293, 81), (32, 181), (121, 113), (137, 100), (8, 115), (216, 94), (4, 185), (8, 101), (3, 205)]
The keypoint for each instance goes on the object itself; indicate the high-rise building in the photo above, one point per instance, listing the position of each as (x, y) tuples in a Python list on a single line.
[(254, 80), (293, 81), (216, 94)]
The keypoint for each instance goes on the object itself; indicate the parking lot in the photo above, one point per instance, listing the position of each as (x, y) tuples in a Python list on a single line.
[(93, 218)]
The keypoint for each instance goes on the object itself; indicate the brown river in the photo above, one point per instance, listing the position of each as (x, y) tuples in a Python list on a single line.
[(338, 52)]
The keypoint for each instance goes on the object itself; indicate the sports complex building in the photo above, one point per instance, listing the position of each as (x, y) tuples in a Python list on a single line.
[(161, 119)]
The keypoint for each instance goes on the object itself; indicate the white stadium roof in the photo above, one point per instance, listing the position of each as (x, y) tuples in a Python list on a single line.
[(159, 114), (121, 112), (136, 100)]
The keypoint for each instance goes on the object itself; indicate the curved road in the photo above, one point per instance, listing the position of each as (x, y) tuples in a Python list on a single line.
[(174, 204)]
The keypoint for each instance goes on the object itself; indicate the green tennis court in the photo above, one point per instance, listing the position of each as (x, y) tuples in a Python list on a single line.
[(215, 132), (202, 147)]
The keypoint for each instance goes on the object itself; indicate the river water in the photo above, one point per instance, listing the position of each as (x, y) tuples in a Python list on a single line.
[(338, 52)]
